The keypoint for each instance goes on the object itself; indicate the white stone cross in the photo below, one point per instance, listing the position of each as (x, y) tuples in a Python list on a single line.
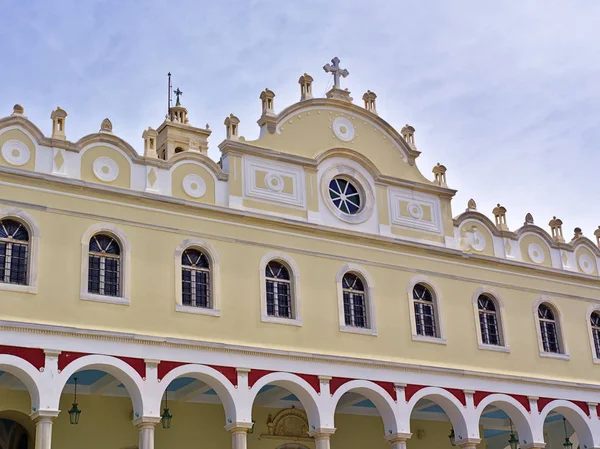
[(337, 71)]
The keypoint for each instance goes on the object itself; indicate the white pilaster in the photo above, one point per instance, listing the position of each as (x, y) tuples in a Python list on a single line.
[(43, 428), (321, 437), (146, 426), (239, 434)]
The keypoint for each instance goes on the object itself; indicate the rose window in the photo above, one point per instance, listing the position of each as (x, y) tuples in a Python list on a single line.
[(345, 196)]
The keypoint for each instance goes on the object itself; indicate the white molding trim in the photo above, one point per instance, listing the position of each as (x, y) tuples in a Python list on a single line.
[(588, 315), (294, 290), (369, 298), (437, 306), (500, 315), (121, 237), (362, 183), (34, 250), (215, 277), (558, 316)]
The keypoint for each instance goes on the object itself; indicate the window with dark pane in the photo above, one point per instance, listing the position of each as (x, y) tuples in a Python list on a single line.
[(195, 279), (355, 310), (595, 323), (279, 292), (345, 196), (548, 329), (424, 311), (488, 321), (14, 252), (104, 268)]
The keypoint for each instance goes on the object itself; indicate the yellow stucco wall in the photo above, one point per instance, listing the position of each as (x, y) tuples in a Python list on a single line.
[(16, 134), (87, 162), (181, 172), (155, 229)]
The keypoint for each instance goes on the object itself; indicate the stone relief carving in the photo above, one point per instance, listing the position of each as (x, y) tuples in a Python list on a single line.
[(290, 424)]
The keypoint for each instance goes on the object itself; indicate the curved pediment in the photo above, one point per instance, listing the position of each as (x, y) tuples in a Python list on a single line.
[(106, 138), (315, 126)]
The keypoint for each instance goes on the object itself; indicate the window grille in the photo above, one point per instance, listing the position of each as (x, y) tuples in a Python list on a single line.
[(279, 297), (424, 311), (195, 279), (104, 269), (345, 196), (488, 321), (595, 323), (355, 310), (14, 252), (548, 329)]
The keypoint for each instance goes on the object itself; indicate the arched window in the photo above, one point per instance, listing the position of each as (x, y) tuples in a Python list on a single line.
[(104, 266), (548, 329), (195, 279), (488, 321), (425, 319), (595, 323), (14, 252), (355, 305), (279, 291)]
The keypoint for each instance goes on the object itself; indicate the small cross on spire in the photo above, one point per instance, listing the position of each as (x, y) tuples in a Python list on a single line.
[(178, 93), (337, 71)]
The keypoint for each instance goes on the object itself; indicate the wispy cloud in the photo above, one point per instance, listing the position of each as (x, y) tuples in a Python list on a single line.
[(503, 93)]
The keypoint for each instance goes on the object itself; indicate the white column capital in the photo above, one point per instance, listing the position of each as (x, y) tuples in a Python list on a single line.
[(237, 427), (152, 362), (322, 434), (146, 421), (52, 352), (242, 370), (532, 446), (45, 415)]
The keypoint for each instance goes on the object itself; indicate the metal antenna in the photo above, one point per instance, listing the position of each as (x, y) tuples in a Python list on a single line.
[(169, 94)]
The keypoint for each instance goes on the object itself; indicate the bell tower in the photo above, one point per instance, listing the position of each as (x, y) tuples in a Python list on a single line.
[(176, 134)]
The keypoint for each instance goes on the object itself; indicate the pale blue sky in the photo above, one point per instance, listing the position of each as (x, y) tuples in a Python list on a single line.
[(506, 94)]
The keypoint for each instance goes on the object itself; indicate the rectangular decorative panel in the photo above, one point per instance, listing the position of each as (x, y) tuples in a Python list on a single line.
[(274, 182), (415, 210)]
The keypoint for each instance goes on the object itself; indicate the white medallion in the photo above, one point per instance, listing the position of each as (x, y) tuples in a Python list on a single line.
[(274, 182), (479, 241), (105, 169), (536, 253), (343, 129), (15, 152), (415, 210), (194, 186), (586, 264)]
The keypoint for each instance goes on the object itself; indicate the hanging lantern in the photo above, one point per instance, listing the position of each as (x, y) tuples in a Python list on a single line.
[(165, 418), (452, 437), (567, 444), (74, 412), (513, 441)]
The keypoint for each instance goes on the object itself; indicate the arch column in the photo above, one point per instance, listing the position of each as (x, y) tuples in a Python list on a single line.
[(322, 436), (43, 427), (398, 440), (239, 434), (146, 425)]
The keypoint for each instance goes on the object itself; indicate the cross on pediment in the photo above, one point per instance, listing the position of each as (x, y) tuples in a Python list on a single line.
[(337, 71), (178, 93)]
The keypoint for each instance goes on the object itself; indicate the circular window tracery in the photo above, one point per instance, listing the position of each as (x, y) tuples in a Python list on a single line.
[(345, 195)]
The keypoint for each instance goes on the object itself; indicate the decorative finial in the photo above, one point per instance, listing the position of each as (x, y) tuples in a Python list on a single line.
[(178, 93), (106, 126), (556, 229), (577, 233), (18, 110), (597, 235), (528, 219), (500, 216), (471, 205), (207, 126), (440, 174), (305, 82), (337, 71), (231, 125), (58, 117), (408, 132), (370, 101)]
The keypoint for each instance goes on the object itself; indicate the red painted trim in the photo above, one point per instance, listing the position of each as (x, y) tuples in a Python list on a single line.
[(312, 380), (229, 372), (598, 411), (543, 402), (67, 357), (583, 406), (480, 396), (255, 374), (165, 368), (35, 356), (137, 364), (458, 394), (337, 382), (389, 387), (410, 391), (523, 400)]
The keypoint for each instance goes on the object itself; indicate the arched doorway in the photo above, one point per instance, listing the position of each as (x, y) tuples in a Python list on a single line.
[(14, 436)]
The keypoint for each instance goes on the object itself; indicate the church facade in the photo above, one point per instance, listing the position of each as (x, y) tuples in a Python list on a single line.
[(311, 289)]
